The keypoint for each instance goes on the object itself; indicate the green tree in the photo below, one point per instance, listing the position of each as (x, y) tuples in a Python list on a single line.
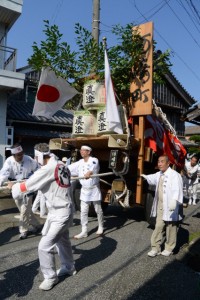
[(88, 61)]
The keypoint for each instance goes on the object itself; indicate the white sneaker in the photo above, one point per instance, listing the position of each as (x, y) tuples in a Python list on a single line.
[(81, 235), (153, 253), (17, 217), (194, 202), (23, 235), (65, 271), (43, 216), (190, 202), (47, 284), (99, 231), (36, 212), (166, 253)]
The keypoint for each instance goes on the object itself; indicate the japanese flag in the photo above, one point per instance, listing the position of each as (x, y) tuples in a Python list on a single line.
[(112, 113), (53, 92)]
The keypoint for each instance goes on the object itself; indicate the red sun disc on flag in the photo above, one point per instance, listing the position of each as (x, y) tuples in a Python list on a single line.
[(48, 93)]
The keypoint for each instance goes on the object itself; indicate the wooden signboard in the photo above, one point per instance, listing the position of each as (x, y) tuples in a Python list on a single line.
[(141, 88)]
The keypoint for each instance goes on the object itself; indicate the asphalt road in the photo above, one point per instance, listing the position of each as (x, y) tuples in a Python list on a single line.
[(114, 266)]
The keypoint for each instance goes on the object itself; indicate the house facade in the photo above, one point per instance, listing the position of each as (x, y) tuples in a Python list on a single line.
[(10, 80), (174, 101)]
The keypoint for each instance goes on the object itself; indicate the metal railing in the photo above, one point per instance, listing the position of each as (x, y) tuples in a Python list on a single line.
[(8, 58)]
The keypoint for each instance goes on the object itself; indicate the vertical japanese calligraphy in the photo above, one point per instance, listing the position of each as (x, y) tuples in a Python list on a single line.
[(93, 94), (141, 87), (84, 123)]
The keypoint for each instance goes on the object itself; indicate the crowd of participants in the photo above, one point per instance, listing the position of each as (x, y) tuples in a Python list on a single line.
[(43, 185)]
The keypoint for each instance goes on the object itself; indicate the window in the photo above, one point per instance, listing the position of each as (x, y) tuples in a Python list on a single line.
[(9, 135)]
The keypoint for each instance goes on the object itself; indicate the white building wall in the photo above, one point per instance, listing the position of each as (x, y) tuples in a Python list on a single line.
[(10, 11), (3, 109)]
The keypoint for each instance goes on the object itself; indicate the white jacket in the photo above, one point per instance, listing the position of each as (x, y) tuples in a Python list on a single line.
[(192, 171), (18, 170), (90, 190), (172, 194), (53, 180)]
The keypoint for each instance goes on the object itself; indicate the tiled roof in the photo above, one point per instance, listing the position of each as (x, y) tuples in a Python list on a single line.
[(39, 133), (22, 111)]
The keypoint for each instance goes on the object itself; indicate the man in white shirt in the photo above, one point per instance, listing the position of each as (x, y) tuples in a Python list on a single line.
[(166, 206), (53, 180), (18, 167), (90, 190), (190, 179)]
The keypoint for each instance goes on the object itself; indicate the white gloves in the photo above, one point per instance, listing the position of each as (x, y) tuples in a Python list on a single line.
[(144, 176), (172, 205)]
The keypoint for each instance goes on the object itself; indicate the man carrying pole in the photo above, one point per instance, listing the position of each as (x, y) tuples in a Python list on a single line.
[(90, 191)]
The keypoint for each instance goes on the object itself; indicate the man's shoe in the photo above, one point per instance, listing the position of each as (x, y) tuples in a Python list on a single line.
[(81, 235), (99, 231), (43, 216), (33, 229), (23, 235), (65, 271), (166, 253), (47, 284), (36, 212), (153, 253), (190, 202), (194, 202)]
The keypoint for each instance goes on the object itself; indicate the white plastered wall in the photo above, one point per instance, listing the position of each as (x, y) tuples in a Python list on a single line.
[(3, 109)]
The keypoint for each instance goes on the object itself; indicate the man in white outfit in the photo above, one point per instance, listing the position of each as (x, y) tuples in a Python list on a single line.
[(18, 167), (53, 179), (90, 190), (167, 201), (190, 179)]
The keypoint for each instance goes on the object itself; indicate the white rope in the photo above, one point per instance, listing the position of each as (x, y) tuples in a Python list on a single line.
[(163, 118)]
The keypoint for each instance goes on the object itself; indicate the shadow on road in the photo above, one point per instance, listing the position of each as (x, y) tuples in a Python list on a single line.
[(7, 234), (19, 280), (94, 255)]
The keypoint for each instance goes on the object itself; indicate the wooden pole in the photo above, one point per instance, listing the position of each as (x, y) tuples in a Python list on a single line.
[(96, 20)]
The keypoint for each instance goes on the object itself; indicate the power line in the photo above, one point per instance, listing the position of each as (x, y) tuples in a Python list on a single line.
[(182, 24), (195, 10), (57, 10), (174, 52), (189, 15)]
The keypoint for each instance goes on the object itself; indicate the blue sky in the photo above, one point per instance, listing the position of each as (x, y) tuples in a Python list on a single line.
[(176, 27)]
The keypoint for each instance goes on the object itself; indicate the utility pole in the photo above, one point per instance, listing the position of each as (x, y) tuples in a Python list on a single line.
[(96, 20)]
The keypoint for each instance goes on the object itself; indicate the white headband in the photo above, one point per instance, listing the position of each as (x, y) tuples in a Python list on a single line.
[(86, 148), (40, 155), (16, 150)]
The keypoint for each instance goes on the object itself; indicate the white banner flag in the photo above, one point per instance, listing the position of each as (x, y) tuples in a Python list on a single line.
[(112, 113), (53, 92)]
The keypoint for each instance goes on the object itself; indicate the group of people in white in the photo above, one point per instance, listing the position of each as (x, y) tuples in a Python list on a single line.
[(50, 178)]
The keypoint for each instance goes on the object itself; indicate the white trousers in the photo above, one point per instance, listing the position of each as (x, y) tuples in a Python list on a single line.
[(190, 188), (56, 233), (85, 210), (192, 192), (27, 218), (40, 201)]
